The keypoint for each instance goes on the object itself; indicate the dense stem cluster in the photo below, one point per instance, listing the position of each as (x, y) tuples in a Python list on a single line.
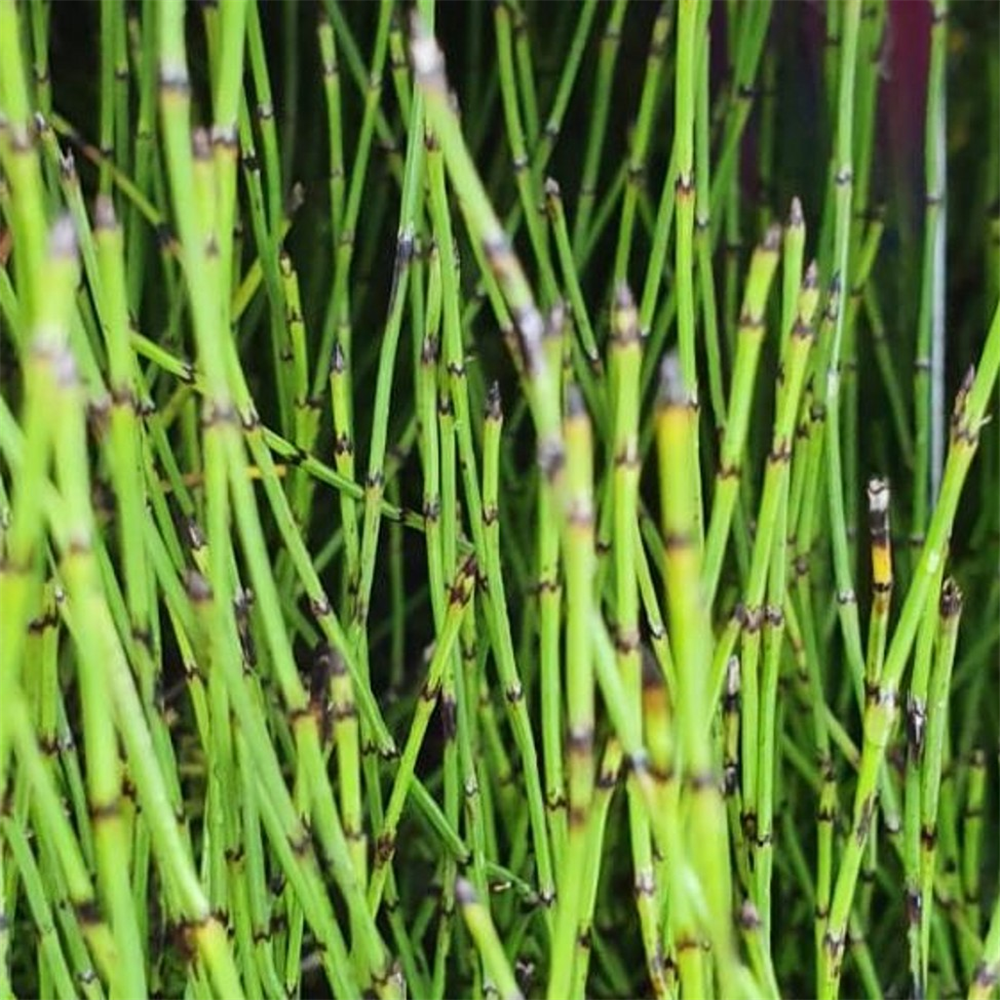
[(433, 458)]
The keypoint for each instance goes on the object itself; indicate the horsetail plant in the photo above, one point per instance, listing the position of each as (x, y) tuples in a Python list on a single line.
[(324, 672)]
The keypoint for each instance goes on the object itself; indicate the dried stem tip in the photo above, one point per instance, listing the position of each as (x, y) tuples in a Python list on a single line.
[(623, 297), (555, 320), (337, 360), (62, 239), (465, 893), (795, 216), (951, 599), (772, 239), (104, 213), (672, 391), (428, 62), (878, 495), (575, 406), (494, 405)]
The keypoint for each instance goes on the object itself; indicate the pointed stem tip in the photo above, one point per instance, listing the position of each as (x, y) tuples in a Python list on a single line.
[(465, 893), (795, 216), (494, 405), (424, 51), (104, 213), (62, 239), (672, 391)]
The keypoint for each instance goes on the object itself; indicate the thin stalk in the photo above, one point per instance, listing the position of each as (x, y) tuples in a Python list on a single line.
[(641, 135), (688, 50), (949, 614), (703, 225), (604, 786), (597, 125), (385, 843), (624, 364), (749, 39), (916, 732), (750, 337), (767, 575), (983, 985), (337, 319), (519, 134), (580, 562), (484, 934), (972, 831), (61, 984), (843, 170), (928, 363)]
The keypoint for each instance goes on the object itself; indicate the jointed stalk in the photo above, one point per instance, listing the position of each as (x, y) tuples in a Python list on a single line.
[(705, 844), (750, 337), (597, 126), (385, 845), (949, 613), (928, 364), (624, 365), (477, 919), (770, 551), (580, 562)]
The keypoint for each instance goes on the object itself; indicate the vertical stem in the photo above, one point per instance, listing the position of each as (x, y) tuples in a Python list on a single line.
[(928, 376), (580, 561)]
